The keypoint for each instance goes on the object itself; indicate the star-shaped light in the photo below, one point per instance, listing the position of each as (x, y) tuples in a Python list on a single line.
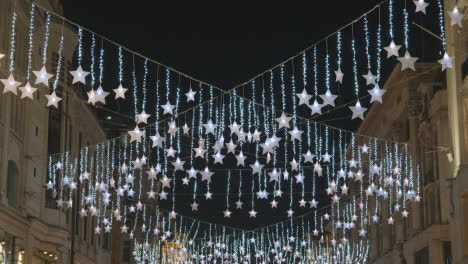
[(206, 174), (420, 6), (218, 158), (190, 95), (10, 84), (239, 204), (42, 76), (120, 92), (170, 152), (376, 94), (157, 140), (407, 62), (142, 117), (172, 128), (456, 17), (364, 148), (27, 91), (252, 213), (344, 189), (227, 213), (79, 75), (328, 98), (168, 108), (136, 134), (392, 50), (295, 134), (446, 61), (308, 157), (194, 206), (192, 173), (241, 159), (302, 203), (339, 75), (299, 178), (304, 97), (53, 99), (186, 129), (404, 213), (358, 111), (210, 127), (313, 203), (231, 147), (163, 195), (256, 167), (283, 121), (316, 108), (390, 220), (178, 164), (173, 214), (199, 152), (165, 182), (274, 203), (370, 78), (274, 175), (208, 195), (290, 212), (101, 95), (326, 157), (294, 165)]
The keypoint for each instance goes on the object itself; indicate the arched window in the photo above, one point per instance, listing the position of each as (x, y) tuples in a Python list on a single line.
[(12, 183)]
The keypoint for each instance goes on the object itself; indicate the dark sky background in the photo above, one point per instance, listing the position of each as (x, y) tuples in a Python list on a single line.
[(221, 42)]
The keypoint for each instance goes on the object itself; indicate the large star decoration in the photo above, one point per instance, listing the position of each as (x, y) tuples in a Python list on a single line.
[(142, 117), (120, 92), (79, 75), (339, 75), (10, 84), (42, 76), (370, 78), (456, 17), (358, 111), (376, 94), (328, 98), (53, 99), (136, 134), (446, 61), (283, 121), (392, 50), (190, 95), (168, 108), (407, 62), (316, 108), (420, 6), (27, 91), (304, 97)]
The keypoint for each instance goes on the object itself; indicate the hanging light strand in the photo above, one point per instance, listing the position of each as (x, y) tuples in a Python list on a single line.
[(31, 32)]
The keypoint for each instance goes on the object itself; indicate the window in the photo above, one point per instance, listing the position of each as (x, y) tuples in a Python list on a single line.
[(12, 183), (447, 250), (422, 256), (126, 248), (55, 123)]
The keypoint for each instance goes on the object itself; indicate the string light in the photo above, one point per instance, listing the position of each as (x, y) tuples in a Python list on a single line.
[(59, 61), (31, 32), (441, 22), (80, 45), (12, 42)]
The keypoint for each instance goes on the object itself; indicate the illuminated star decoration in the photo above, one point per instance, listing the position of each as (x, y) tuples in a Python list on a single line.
[(328, 98), (304, 97), (283, 121), (190, 95), (339, 75), (143, 117), (358, 111), (135, 134), (376, 94), (392, 50), (420, 6), (407, 62), (120, 92), (27, 91), (53, 99), (456, 17), (446, 61), (79, 75), (42, 76), (167, 108), (10, 84), (370, 78), (157, 140), (316, 108)]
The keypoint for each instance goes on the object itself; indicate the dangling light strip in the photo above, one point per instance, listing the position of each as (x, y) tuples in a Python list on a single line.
[(31, 31)]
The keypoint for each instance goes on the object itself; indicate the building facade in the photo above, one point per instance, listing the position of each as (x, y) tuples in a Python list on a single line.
[(429, 110), (32, 228)]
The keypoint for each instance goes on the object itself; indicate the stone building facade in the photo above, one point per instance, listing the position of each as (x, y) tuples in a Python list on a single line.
[(32, 228), (429, 110)]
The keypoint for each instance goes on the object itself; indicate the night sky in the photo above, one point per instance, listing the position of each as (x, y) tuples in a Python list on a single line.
[(221, 42)]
